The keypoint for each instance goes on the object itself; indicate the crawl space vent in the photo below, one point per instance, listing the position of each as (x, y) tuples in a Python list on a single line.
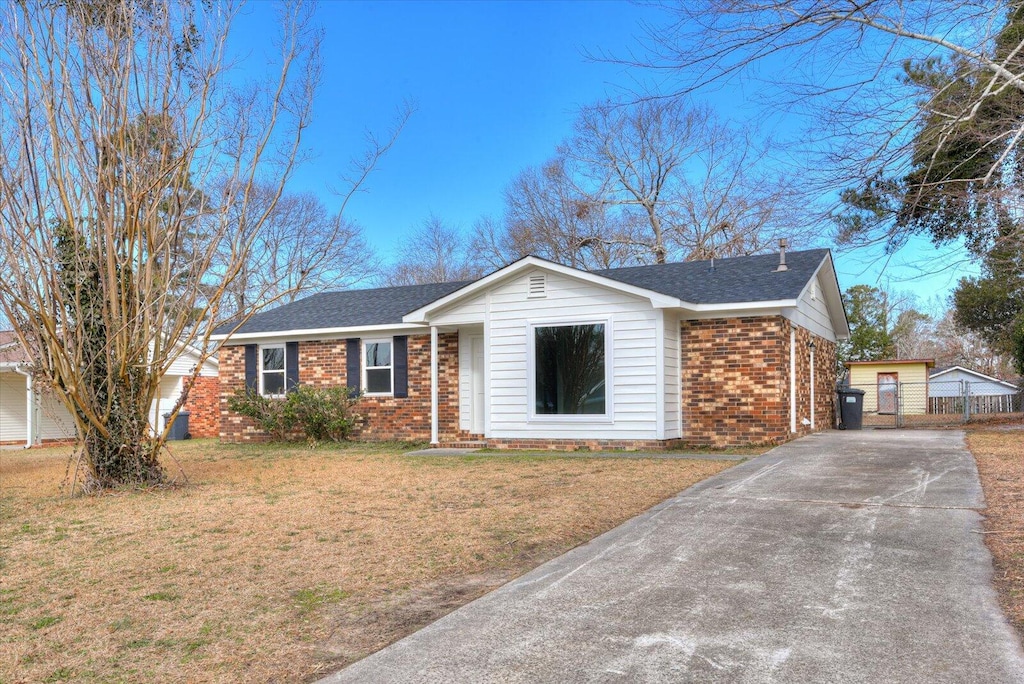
[(537, 286)]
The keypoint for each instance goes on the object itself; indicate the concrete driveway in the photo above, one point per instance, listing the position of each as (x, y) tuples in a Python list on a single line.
[(841, 557)]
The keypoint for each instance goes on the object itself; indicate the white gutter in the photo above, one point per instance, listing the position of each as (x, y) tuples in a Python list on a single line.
[(792, 379), (812, 387), (319, 333), (30, 405), (433, 386)]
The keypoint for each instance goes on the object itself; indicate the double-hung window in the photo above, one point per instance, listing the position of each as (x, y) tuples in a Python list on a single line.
[(272, 370), (569, 370), (379, 367)]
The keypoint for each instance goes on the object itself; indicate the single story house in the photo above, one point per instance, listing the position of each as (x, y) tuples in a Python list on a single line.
[(882, 381), (33, 415), (949, 386), (541, 355)]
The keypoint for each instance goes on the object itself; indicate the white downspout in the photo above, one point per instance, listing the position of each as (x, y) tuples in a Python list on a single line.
[(792, 380), (30, 404), (433, 385), (812, 386)]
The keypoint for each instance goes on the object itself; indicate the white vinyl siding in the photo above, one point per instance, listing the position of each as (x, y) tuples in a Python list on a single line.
[(463, 313), (631, 354), (53, 420), (673, 391), (170, 390), (812, 312), (13, 407)]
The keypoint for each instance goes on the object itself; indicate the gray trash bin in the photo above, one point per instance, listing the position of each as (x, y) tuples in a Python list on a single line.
[(851, 408), (179, 430)]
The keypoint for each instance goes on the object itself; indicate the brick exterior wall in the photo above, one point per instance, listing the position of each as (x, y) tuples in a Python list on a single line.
[(322, 363), (203, 405), (735, 380), (825, 369)]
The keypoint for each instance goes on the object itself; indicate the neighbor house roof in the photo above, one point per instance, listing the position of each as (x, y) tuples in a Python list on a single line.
[(749, 279), (10, 349), (938, 372)]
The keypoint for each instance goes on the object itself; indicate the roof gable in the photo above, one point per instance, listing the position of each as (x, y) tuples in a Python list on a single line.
[(530, 263)]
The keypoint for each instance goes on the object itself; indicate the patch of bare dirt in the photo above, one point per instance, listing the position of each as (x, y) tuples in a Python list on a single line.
[(1000, 459)]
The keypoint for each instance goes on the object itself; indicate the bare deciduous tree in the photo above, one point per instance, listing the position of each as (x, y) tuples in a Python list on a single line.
[(644, 183), (433, 253), (129, 153), (300, 248), (548, 215)]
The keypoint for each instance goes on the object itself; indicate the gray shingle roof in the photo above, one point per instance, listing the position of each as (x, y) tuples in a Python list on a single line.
[(348, 309), (739, 279)]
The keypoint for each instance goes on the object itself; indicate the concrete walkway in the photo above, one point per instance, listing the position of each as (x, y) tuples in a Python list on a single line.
[(841, 557)]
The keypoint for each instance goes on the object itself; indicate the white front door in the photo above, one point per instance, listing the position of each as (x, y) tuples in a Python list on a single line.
[(477, 347)]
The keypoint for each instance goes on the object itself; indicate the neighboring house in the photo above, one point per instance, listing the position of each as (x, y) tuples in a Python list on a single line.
[(541, 355), (32, 415), (949, 386), (891, 386)]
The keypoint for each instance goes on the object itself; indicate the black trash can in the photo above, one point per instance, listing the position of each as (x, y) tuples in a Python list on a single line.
[(179, 430), (851, 408)]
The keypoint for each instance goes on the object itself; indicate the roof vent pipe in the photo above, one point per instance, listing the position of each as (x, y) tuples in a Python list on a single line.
[(782, 256)]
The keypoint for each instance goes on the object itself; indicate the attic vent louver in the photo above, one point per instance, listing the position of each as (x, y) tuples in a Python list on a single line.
[(537, 287)]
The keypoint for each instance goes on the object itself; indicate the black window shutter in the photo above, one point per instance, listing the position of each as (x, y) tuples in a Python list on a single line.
[(252, 377), (352, 365), (291, 366), (401, 370)]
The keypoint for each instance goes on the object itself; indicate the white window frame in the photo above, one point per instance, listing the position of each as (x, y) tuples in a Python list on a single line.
[(366, 387), (283, 371), (608, 416)]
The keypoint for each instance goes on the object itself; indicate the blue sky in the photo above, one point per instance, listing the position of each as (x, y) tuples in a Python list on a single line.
[(496, 87)]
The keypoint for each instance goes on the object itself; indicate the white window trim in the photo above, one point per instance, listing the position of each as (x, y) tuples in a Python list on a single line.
[(283, 371), (608, 417), (366, 386)]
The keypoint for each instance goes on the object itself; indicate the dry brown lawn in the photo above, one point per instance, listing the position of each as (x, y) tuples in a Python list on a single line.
[(999, 452), (282, 563)]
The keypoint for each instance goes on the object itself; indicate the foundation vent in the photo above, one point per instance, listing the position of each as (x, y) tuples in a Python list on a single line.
[(537, 286)]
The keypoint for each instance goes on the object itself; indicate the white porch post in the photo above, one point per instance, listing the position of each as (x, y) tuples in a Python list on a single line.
[(433, 385), (30, 406)]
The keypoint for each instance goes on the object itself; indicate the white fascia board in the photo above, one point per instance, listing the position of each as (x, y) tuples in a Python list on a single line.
[(739, 307), (657, 300), (319, 334)]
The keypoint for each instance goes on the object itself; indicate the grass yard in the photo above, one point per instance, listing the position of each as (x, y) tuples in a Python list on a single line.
[(999, 452), (283, 563)]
